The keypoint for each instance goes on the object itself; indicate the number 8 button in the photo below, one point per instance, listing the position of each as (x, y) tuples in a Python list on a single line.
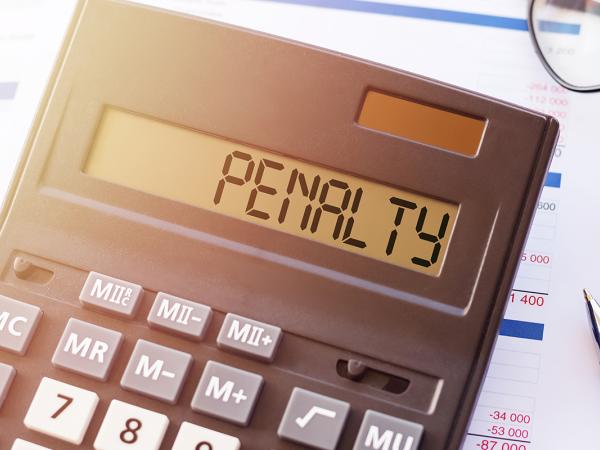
[(129, 427)]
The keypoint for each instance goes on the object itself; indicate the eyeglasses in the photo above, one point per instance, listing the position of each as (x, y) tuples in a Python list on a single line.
[(566, 36)]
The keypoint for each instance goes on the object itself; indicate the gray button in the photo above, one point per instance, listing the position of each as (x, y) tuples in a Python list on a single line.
[(18, 322), (184, 317), (250, 337), (156, 371), (313, 419), (380, 431), (87, 349), (7, 374), (111, 294), (227, 393)]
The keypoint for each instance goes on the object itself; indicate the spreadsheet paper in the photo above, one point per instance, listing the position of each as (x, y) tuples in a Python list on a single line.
[(542, 390)]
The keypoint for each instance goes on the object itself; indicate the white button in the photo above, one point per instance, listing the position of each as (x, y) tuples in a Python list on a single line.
[(20, 444), (193, 437), (129, 427), (61, 411)]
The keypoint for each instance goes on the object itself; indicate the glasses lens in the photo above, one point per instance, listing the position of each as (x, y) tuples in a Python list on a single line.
[(568, 34)]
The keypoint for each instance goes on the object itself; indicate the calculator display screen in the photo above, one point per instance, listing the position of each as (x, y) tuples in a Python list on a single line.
[(281, 193)]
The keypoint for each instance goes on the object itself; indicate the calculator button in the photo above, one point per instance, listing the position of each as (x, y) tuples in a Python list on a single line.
[(156, 371), (18, 322), (313, 419), (227, 393), (129, 427), (20, 444), (194, 437), (61, 410), (111, 294), (184, 317), (7, 374), (256, 339), (383, 431), (87, 349)]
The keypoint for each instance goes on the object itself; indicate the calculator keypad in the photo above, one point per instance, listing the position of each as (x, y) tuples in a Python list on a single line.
[(227, 393), (110, 294), (7, 374), (156, 371), (180, 316), (249, 337), (194, 437), (64, 412), (20, 444), (313, 419), (18, 322), (61, 410), (87, 349), (129, 427)]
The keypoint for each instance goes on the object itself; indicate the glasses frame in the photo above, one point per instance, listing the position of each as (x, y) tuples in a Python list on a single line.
[(545, 62)]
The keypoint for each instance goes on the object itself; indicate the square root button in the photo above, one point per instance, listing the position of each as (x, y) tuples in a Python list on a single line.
[(87, 349), (249, 337), (227, 393), (110, 294), (156, 371), (18, 322), (380, 431), (313, 420)]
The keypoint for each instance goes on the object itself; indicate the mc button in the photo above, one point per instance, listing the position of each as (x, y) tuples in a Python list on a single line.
[(18, 322)]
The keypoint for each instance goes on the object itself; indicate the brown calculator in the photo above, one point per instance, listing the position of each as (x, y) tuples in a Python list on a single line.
[(220, 240)]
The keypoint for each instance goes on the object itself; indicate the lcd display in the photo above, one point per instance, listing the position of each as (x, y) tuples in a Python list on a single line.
[(281, 193)]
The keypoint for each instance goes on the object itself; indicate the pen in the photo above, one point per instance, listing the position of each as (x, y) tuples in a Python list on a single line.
[(594, 311)]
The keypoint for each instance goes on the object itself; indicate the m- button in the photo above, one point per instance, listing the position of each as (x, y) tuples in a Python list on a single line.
[(156, 371), (18, 322), (111, 294), (256, 339)]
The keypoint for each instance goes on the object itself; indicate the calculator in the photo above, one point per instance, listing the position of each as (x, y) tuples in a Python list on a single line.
[(218, 239)]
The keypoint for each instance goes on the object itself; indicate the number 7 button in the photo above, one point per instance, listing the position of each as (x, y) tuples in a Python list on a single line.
[(61, 410)]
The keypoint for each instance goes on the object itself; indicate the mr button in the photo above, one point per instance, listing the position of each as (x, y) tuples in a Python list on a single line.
[(249, 337), (18, 322), (111, 294), (87, 349)]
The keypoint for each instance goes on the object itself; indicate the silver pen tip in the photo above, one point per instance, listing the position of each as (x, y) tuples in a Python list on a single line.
[(587, 295)]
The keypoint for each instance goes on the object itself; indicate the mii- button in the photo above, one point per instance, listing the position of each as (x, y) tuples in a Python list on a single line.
[(111, 294)]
